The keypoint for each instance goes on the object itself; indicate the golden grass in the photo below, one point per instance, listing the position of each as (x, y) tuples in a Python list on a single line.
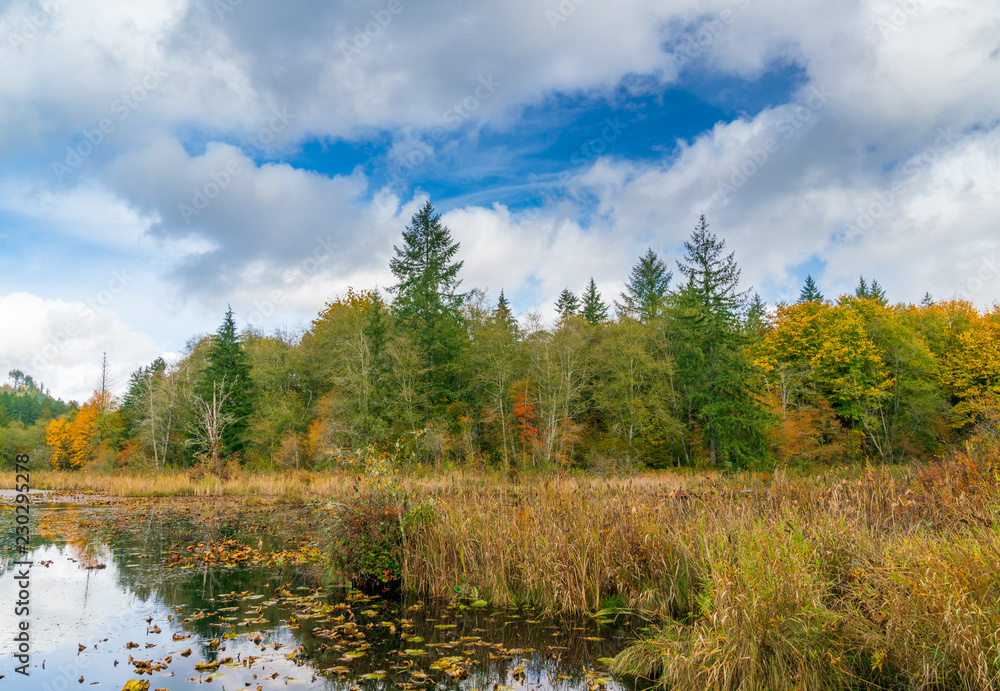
[(888, 578), (863, 578)]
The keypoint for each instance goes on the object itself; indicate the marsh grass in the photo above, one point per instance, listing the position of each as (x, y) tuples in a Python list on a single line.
[(880, 577)]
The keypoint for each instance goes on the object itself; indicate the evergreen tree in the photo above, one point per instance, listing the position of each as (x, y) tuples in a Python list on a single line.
[(715, 378), (862, 289), (646, 289), (810, 292), (427, 300), (568, 304), (870, 292), (756, 321), (877, 294), (227, 370), (927, 300), (595, 310), (503, 314)]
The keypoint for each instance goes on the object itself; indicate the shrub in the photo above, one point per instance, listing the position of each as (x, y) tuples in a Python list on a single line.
[(367, 538)]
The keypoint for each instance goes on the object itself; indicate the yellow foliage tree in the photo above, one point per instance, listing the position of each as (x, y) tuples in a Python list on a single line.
[(74, 442)]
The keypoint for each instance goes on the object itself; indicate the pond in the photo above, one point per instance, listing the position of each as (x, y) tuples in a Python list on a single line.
[(184, 592)]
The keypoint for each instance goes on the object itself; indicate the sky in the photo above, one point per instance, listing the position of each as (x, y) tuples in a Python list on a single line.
[(162, 160)]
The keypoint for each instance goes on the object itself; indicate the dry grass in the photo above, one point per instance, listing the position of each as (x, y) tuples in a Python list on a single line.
[(885, 579), (877, 578), (181, 483)]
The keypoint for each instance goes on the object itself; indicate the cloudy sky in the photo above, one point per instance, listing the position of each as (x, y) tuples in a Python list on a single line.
[(160, 160)]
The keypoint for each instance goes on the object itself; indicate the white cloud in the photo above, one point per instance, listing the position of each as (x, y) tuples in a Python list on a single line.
[(892, 75), (61, 344)]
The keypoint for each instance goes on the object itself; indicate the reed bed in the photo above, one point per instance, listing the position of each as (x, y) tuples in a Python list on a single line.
[(887, 579), (878, 578)]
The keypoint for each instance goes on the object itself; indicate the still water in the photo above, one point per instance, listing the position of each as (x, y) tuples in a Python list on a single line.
[(180, 593)]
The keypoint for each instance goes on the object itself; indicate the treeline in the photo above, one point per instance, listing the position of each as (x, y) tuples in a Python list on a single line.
[(25, 409), (689, 370)]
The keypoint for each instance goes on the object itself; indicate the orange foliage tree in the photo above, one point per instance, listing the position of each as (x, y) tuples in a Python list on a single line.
[(93, 429)]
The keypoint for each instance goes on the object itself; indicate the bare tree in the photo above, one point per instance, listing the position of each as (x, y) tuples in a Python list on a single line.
[(105, 383), (211, 422)]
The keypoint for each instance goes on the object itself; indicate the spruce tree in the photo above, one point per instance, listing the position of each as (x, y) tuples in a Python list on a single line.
[(872, 292), (877, 294), (810, 292), (427, 301), (756, 320), (714, 376), (646, 289), (502, 313), (862, 289), (228, 367), (595, 310), (568, 304)]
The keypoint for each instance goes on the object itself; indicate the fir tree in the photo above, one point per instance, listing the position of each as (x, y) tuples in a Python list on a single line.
[(810, 292), (927, 300), (228, 369), (502, 313), (862, 289), (427, 300), (646, 289), (877, 294), (568, 304), (595, 310), (756, 321), (870, 292), (715, 378)]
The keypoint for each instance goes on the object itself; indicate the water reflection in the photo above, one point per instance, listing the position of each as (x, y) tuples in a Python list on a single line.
[(103, 608)]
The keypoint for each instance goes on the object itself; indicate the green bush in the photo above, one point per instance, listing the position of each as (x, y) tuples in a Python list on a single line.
[(368, 533)]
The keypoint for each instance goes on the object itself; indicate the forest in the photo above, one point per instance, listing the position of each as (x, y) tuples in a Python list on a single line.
[(682, 369)]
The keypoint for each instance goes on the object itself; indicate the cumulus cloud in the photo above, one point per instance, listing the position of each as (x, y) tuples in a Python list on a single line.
[(158, 137), (61, 343)]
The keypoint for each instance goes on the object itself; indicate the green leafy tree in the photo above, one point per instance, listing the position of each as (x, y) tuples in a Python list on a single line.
[(715, 378), (427, 301), (227, 380), (633, 392), (810, 292), (568, 304), (494, 364), (646, 289), (594, 310)]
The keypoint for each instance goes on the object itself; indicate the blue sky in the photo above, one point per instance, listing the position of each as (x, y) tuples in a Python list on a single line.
[(162, 161)]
